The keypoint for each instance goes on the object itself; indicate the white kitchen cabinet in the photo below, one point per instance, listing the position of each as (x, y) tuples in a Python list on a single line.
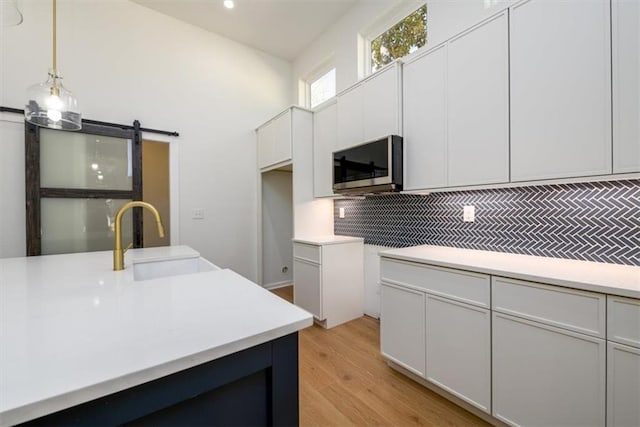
[(424, 95), (328, 278), (623, 385), (478, 105), (274, 140), (402, 327), (543, 375), (458, 349), (370, 109), (626, 85), (324, 142), (308, 294), (436, 323), (623, 361), (560, 78), (350, 117), (382, 103)]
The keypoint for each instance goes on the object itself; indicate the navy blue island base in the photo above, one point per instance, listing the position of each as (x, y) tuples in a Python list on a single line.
[(253, 387)]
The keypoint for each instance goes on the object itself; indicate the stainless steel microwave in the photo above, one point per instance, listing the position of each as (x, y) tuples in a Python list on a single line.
[(374, 166)]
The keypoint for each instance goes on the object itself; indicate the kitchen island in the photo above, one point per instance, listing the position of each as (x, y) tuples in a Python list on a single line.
[(81, 343)]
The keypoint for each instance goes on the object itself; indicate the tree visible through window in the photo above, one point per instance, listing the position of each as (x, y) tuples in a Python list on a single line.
[(400, 40)]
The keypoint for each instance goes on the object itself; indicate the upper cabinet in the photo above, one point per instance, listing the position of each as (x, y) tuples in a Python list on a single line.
[(370, 109), (456, 110), (478, 105), (324, 142), (382, 106), (560, 89), (626, 86), (275, 141), (424, 93), (349, 111)]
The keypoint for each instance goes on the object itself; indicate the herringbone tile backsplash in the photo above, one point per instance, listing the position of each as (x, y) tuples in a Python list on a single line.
[(587, 221)]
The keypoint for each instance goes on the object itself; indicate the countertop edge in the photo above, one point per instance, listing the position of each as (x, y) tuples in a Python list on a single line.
[(48, 406), (327, 240), (566, 283)]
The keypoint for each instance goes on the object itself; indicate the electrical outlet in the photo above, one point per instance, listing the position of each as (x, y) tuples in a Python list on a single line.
[(197, 213), (341, 212), (469, 214)]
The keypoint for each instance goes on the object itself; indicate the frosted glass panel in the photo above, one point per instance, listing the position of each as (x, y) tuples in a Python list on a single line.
[(80, 160), (81, 225)]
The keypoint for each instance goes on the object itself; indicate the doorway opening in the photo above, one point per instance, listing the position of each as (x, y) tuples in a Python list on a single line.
[(156, 190), (277, 227)]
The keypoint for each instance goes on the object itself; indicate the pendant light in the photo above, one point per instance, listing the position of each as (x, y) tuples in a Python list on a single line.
[(50, 104)]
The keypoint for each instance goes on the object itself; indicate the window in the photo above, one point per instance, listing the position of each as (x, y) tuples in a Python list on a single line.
[(400, 40), (322, 88)]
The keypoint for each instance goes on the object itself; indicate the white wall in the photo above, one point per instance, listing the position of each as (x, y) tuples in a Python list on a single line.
[(277, 227), (445, 18), (126, 62)]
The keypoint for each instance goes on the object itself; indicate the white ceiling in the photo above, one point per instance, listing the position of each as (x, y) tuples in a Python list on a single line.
[(280, 27)]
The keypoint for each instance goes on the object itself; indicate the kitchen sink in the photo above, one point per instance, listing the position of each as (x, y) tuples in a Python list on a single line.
[(146, 270)]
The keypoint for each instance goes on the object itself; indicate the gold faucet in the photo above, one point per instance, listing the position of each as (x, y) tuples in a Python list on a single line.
[(118, 252)]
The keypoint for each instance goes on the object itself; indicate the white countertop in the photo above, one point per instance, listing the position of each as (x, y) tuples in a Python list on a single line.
[(327, 240), (622, 280), (72, 330)]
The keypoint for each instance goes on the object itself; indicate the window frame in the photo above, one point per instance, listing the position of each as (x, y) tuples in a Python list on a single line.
[(386, 22), (319, 71)]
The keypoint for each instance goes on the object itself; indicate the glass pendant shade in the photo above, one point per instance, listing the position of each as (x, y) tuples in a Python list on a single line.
[(51, 105)]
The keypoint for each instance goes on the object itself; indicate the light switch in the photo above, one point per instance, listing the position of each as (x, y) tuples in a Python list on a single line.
[(197, 213), (469, 214), (341, 212)]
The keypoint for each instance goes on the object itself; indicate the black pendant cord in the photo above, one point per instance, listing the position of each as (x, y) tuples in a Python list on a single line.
[(97, 122)]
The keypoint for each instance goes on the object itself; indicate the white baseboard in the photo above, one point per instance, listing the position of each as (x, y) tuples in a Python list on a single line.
[(278, 285)]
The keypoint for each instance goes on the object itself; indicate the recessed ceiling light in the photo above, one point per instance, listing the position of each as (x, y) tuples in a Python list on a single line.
[(228, 4)]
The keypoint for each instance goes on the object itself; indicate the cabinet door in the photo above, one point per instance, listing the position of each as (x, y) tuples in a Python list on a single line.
[(626, 85), (459, 350), (381, 99), (623, 385), (544, 376), (307, 287), (402, 327), (560, 89), (266, 137), (282, 138), (274, 141), (424, 120), (324, 142), (350, 118), (478, 103)]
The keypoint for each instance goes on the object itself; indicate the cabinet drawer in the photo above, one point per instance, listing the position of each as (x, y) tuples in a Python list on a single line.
[(571, 309), (623, 320), (307, 252), (472, 288)]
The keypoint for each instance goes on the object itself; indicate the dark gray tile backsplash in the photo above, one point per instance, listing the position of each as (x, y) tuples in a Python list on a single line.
[(587, 221)]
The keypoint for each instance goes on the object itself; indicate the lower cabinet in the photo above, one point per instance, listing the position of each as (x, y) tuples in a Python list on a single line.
[(328, 278), (308, 279), (623, 385), (436, 323), (546, 376), (402, 329), (458, 354)]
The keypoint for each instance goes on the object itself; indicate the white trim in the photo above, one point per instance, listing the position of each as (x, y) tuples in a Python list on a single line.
[(388, 19), (318, 72), (6, 116), (531, 183), (277, 285)]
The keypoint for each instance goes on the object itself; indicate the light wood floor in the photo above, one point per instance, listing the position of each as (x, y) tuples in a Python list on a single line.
[(344, 381)]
